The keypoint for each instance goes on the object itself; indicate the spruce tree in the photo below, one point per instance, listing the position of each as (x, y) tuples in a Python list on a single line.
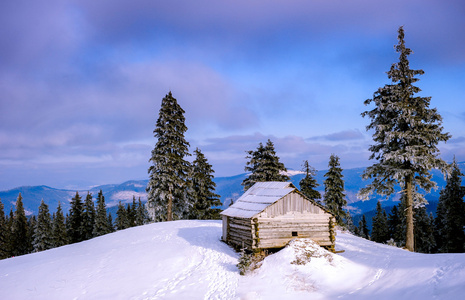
[(450, 220), (75, 220), (111, 226), (264, 165), (406, 135), (60, 237), (167, 187), (142, 216), (101, 220), (424, 231), (88, 218), (4, 253), (20, 239), (132, 210), (380, 229), (202, 190), (363, 228), (43, 234), (121, 221), (395, 225), (31, 225), (308, 183), (334, 197)]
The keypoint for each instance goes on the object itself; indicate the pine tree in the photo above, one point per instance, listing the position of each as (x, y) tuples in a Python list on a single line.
[(264, 165), (31, 225), (167, 187), (101, 219), (334, 190), (131, 212), (406, 134), (363, 228), (121, 221), (60, 237), (88, 218), (19, 230), (142, 216), (380, 229), (4, 252), (43, 235), (395, 225), (111, 226), (308, 183), (75, 220), (450, 220), (424, 231), (202, 189)]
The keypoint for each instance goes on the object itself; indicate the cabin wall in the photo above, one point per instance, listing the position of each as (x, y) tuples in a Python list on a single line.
[(239, 232), (278, 231)]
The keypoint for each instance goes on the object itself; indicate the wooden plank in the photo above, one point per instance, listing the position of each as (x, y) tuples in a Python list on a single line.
[(238, 226)]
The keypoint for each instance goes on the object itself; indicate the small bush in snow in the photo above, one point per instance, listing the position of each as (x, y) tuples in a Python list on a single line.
[(249, 262), (306, 249)]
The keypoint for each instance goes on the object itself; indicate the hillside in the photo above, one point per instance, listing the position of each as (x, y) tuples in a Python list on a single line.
[(187, 260)]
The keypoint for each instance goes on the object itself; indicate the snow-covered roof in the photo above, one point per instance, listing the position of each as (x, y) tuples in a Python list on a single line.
[(257, 198)]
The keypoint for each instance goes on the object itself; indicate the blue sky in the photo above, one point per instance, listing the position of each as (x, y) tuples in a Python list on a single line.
[(81, 82)]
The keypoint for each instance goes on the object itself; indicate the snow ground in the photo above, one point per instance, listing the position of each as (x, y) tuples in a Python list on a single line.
[(187, 260)]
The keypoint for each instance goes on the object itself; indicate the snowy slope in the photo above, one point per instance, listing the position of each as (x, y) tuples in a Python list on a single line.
[(186, 260)]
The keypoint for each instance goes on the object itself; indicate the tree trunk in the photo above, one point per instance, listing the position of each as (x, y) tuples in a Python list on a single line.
[(409, 238), (169, 210)]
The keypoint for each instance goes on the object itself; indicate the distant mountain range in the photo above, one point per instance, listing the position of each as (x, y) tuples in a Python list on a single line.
[(229, 188)]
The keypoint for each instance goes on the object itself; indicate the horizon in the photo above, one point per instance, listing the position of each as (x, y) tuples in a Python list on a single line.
[(81, 82)]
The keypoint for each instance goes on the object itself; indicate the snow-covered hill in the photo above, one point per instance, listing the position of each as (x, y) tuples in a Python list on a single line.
[(187, 260)]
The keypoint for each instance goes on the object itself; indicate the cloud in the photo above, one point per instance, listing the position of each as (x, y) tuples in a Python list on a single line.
[(346, 135)]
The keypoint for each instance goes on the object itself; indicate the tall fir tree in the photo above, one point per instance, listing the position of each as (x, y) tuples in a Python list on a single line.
[(43, 234), (406, 135), (308, 183), (4, 251), (264, 165), (334, 197), (450, 220), (395, 225), (101, 219), (380, 229), (131, 212), (168, 174), (75, 220), (205, 202), (88, 217), (20, 239), (31, 225), (60, 237), (111, 225), (121, 221)]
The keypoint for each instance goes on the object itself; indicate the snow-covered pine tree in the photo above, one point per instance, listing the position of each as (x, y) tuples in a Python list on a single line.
[(3, 233), (202, 189), (363, 228), (167, 187), (60, 237), (88, 217), (334, 197), (75, 220), (121, 221), (43, 235), (101, 219), (450, 220), (264, 165), (406, 135), (424, 231), (308, 183), (380, 229), (20, 241), (142, 216)]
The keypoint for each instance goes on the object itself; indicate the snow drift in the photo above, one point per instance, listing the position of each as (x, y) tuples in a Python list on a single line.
[(187, 260)]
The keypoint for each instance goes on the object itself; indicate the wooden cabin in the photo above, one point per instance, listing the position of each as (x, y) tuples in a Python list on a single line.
[(270, 214)]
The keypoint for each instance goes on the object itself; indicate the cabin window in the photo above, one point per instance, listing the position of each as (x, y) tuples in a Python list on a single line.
[(294, 233)]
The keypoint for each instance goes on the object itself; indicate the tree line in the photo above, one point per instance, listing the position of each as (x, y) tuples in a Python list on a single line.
[(21, 235)]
